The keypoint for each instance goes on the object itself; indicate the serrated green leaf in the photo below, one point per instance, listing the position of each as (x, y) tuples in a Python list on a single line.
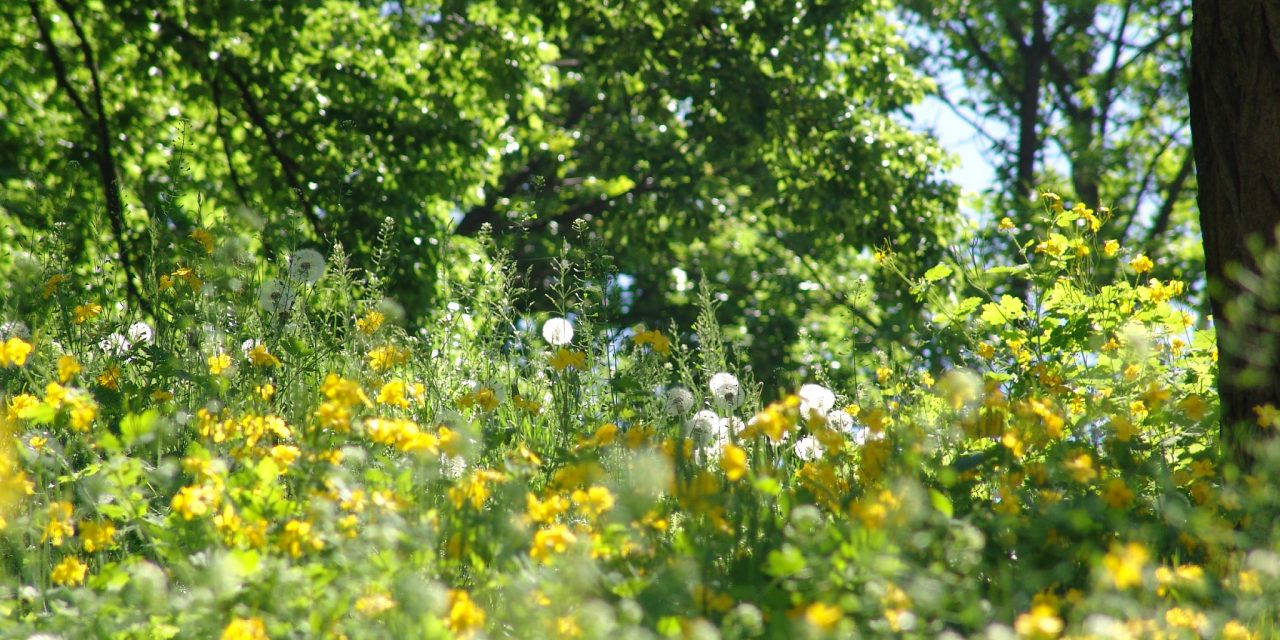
[(937, 273), (1008, 309)]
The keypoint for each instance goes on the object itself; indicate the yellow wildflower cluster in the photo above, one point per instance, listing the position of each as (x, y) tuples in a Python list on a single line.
[(14, 352), (386, 357), (654, 339), (401, 433), (181, 274)]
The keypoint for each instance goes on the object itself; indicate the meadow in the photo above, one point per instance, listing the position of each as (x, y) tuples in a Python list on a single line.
[(273, 449)]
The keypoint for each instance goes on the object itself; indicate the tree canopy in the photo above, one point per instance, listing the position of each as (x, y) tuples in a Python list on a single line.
[(762, 146)]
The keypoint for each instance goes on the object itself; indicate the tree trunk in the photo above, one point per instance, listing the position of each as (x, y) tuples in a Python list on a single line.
[(1235, 126)]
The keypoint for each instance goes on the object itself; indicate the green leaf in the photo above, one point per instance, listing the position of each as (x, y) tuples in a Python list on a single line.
[(784, 562), (768, 486), (136, 428), (937, 273), (40, 414), (941, 503), (1008, 309)]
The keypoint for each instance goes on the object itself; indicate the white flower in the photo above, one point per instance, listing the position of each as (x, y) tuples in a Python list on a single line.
[(862, 434), (275, 298), (141, 333), (307, 265), (709, 433), (840, 420), (702, 423), (115, 345), (725, 389), (677, 401), (808, 449), (815, 398), (557, 332)]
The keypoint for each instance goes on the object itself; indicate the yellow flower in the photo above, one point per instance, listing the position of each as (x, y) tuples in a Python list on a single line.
[(822, 615), (245, 629), (70, 572), (1041, 623), (346, 393), (370, 322), (1006, 224), (97, 535), (1178, 617), (654, 338), (1141, 264), (465, 616), (554, 539), (285, 454), (1117, 494), (564, 359), (567, 627), (52, 283), (110, 378), (83, 411), (1124, 565), (393, 393), (259, 356), (593, 502), (14, 352), (265, 391), (204, 238), (68, 368), (85, 312), (1080, 466), (1233, 630), (1056, 245), (734, 462), (773, 421), (1268, 416), (59, 525), (387, 356), (194, 501), (1110, 248), (375, 602), (297, 538), (545, 510), (218, 363), (883, 374)]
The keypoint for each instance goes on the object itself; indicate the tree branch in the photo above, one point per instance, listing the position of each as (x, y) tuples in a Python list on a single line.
[(288, 166), (1172, 192), (97, 123)]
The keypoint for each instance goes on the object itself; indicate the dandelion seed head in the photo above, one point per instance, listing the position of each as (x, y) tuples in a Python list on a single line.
[(840, 420), (815, 398), (808, 449), (677, 401), (141, 333), (725, 389), (115, 344), (276, 298), (306, 266), (557, 332)]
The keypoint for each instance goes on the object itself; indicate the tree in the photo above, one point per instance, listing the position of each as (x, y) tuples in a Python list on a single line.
[(763, 146), (1235, 123), (1095, 87)]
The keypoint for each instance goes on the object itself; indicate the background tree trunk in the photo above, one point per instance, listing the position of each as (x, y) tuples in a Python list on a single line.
[(1235, 125)]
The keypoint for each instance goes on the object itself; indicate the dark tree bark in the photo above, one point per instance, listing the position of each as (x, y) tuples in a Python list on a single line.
[(1235, 126)]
